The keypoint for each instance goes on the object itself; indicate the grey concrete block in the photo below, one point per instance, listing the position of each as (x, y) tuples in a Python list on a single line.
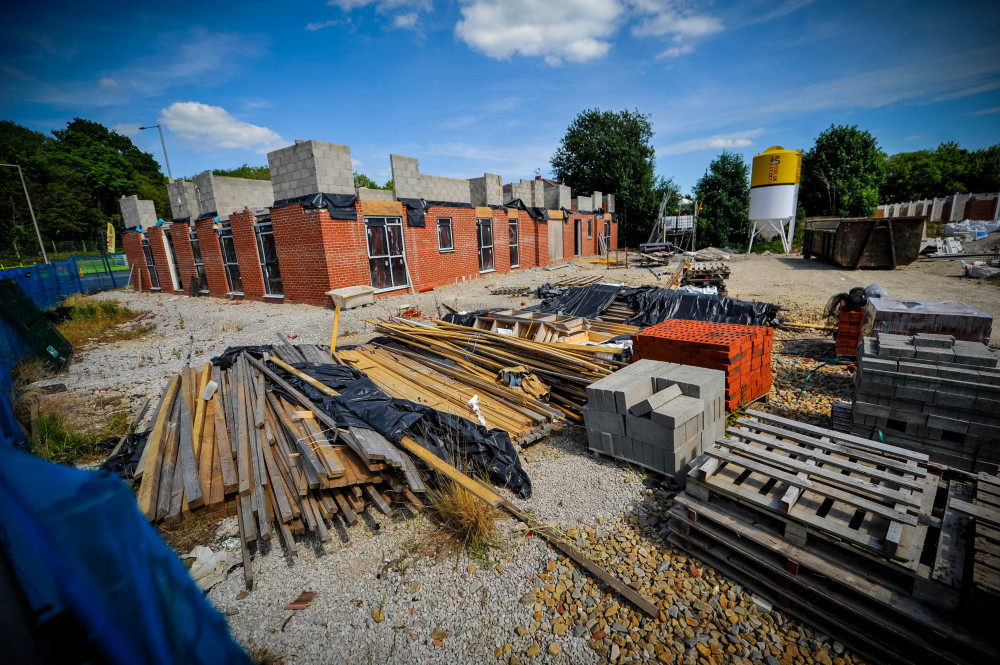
[(931, 340), (632, 393), (935, 354), (677, 411), (656, 400), (602, 421)]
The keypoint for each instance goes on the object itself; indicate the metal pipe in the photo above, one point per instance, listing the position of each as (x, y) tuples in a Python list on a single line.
[(164, 144), (31, 209)]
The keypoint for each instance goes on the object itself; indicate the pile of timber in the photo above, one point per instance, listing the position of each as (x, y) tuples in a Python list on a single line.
[(707, 273), (543, 327), (566, 368), (227, 442), (448, 387), (856, 537), (618, 311)]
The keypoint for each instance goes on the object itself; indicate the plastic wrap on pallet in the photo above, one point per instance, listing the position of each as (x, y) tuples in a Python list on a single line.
[(654, 305), (361, 403), (588, 301), (467, 318)]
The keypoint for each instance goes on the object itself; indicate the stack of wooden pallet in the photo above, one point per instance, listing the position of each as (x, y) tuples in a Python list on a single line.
[(618, 311), (226, 441), (986, 562), (566, 368), (842, 532), (707, 273)]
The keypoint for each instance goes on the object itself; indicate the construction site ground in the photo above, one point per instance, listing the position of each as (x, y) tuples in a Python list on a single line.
[(518, 600)]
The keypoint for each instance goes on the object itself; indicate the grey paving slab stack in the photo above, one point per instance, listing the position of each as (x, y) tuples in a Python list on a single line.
[(933, 394), (657, 415)]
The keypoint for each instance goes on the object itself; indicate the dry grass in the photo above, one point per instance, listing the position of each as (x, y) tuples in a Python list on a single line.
[(194, 529), (95, 320), (469, 520), (68, 426), (28, 371)]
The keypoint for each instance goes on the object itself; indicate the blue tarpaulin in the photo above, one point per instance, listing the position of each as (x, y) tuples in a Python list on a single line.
[(79, 545)]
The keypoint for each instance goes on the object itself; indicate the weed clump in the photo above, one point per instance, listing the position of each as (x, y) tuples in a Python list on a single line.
[(99, 320), (469, 520)]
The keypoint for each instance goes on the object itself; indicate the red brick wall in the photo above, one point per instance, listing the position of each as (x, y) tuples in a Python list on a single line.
[(156, 244), (980, 210), (946, 211), (211, 256), (614, 235), (132, 242), (246, 254), (569, 237), (183, 255), (536, 243)]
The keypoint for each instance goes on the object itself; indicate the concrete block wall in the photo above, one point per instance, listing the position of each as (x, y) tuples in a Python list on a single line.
[(583, 204), (958, 207), (183, 199), (137, 212), (409, 182), (557, 196), (311, 167), (936, 205), (487, 190), (366, 194), (223, 195), (405, 177), (609, 199)]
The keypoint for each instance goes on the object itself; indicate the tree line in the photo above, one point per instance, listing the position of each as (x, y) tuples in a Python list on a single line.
[(844, 174)]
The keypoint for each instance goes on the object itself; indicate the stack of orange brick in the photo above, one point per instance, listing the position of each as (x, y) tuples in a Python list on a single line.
[(849, 331), (742, 352)]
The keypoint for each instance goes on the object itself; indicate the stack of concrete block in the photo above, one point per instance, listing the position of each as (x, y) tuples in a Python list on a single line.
[(486, 191), (657, 415), (558, 196), (908, 317), (183, 199), (223, 195), (311, 167), (933, 394)]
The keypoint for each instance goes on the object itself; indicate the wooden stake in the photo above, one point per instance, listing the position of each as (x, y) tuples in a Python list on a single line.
[(336, 326)]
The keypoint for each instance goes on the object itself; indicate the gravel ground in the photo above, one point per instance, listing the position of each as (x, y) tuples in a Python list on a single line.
[(504, 605)]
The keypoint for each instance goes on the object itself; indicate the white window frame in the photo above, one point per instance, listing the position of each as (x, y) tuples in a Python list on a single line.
[(451, 233), (388, 221), (515, 247), (480, 246)]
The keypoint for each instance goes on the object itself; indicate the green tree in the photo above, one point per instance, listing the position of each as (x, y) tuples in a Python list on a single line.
[(245, 171), (724, 195), (910, 176), (610, 152), (363, 181), (842, 173), (984, 170)]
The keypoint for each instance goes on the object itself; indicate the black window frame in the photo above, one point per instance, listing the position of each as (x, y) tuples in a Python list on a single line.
[(226, 233), (199, 261), (154, 275), (270, 271), (514, 242)]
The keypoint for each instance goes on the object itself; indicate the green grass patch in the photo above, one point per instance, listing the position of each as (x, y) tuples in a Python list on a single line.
[(56, 441), (93, 320)]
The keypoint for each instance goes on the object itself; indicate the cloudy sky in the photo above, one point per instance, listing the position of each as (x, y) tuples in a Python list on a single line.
[(469, 86)]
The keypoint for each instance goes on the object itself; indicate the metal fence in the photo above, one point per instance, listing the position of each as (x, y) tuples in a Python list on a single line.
[(47, 286)]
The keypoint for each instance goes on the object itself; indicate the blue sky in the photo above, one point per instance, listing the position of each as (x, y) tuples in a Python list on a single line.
[(471, 86)]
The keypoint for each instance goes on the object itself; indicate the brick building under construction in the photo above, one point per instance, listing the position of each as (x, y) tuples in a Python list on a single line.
[(309, 230)]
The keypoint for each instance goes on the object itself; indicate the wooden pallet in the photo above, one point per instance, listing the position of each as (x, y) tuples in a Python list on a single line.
[(823, 484), (874, 607), (510, 290), (986, 563), (578, 281)]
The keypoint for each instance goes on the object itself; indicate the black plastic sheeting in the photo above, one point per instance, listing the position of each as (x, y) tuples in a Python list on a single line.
[(416, 209), (586, 301), (468, 318), (340, 206), (652, 305), (541, 214), (469, 446), (125, 461)]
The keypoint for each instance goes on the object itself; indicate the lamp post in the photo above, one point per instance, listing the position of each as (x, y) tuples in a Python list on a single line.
[(164, 144), (34, 221)]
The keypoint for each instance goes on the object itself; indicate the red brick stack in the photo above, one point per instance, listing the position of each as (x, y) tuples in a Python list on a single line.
[(849, 331), (742, 352)]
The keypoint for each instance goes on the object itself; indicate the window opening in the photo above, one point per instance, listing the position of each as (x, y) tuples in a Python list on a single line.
[(515, 250), (154, 278), (386, 256), (229, 260), (199, 263), (446, 242), (268, 255), (484, 235)]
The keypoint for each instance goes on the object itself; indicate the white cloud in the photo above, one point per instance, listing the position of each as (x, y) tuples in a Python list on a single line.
[(355, 163), (313, 27), (716, 142), (108, 85), (127, 128), (914, 137), (381, 6), (995, 109), (405, 20), (573, 30), (682, 21), (207, 127)]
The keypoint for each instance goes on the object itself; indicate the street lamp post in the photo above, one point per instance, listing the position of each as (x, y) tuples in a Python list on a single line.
[(164, 144), (31, 209)]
